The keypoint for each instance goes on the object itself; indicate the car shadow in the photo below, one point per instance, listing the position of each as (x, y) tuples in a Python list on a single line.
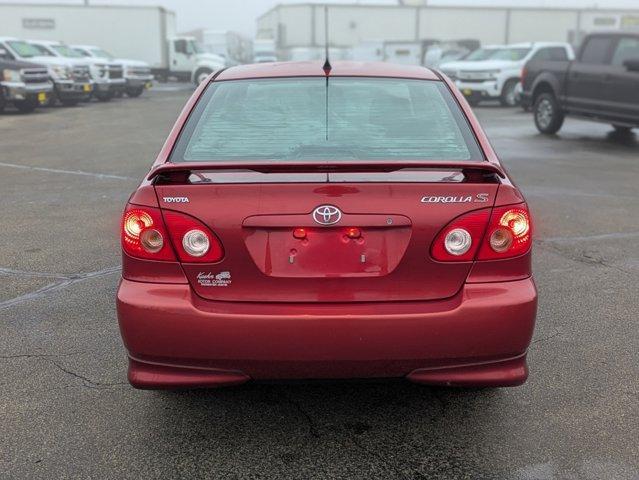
[(402, 429)]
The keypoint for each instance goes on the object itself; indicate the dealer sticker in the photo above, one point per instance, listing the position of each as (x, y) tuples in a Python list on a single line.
[(209, 279)]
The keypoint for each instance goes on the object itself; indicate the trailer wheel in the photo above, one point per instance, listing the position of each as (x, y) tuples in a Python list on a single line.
[(549, 117), (202, 74)]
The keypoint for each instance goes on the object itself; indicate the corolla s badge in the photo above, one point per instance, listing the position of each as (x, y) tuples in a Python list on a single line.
[(327, 215)]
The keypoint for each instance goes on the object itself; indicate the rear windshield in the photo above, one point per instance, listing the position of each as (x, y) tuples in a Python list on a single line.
[(304, 119)]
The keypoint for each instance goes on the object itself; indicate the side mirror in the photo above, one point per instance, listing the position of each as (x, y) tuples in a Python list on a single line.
[(632, 64), (4, 53)]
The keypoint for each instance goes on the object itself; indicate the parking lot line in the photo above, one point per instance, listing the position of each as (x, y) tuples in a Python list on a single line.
[(66, 172)]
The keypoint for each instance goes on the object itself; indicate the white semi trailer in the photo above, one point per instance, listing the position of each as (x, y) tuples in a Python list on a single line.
[(142, 33)]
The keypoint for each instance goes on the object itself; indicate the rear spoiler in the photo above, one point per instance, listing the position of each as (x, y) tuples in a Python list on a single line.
[(272, 167)]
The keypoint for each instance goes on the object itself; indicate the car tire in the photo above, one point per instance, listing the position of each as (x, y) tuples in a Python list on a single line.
[(25, 106), (134, 92), (621, 129), (508, 97), (202, 75), (549, 117), (69, 102), (104, 96)]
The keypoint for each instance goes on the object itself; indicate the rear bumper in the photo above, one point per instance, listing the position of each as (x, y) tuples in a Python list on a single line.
[(477, 338)]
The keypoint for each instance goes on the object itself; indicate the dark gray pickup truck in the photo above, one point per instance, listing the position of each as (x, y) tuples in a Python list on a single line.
[(602, 84), (25, 85)]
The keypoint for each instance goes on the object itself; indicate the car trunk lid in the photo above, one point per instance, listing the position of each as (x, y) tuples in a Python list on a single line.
[(278, 248)]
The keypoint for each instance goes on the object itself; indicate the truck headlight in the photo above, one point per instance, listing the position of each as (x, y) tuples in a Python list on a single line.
[(60, 72), (12, 75)]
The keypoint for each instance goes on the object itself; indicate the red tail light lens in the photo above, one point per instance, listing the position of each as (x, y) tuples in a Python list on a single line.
[(504, 233), (461, 238), (144, 235), (194, 242), (509, 233)]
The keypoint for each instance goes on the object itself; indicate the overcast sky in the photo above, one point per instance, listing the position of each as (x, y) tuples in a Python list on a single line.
[(240, 15)]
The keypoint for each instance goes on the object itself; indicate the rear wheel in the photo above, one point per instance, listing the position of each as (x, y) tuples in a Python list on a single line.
[(26, 106), (549, 117), (509, 97), (134, 92)]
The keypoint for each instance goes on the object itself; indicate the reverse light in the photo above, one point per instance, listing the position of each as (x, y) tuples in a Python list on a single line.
[(196, 243), (193, 241), (458, 241), (461, 238)]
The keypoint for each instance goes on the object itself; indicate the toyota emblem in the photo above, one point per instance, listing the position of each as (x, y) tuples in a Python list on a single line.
[(327, 215)]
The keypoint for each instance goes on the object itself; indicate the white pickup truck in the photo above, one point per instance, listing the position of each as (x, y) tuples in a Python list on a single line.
[(71, 79), (494, 72), (137, 75), (107, 76)]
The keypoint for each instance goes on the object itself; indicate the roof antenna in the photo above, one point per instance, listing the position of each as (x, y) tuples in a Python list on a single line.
[(327, 64)]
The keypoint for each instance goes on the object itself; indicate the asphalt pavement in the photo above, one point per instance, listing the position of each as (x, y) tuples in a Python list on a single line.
[(66, 410)]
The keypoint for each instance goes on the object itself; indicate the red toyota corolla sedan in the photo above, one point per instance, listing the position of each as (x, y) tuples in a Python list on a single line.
[(304, 222)]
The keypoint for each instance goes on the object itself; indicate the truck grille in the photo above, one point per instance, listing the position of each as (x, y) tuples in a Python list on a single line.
[(81, 74), (116, 71), (35, 75)]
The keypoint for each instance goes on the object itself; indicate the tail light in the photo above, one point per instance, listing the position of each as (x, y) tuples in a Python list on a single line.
[(144, 234), (509, 233), (461, 238), (505, 232), (524, 73), (194, 242)]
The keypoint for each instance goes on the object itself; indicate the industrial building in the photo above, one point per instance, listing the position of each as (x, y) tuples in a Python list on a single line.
[(300, 27)]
